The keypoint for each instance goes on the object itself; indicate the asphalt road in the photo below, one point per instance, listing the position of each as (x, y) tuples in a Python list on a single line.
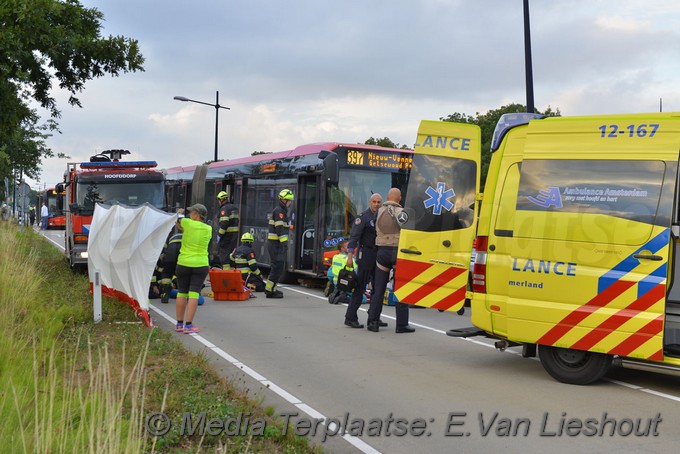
[(420, 392)]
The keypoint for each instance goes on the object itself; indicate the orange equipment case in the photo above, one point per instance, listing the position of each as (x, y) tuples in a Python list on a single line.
[(227, 285)]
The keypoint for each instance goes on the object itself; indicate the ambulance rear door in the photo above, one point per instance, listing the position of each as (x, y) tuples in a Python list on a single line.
[(435, 244)]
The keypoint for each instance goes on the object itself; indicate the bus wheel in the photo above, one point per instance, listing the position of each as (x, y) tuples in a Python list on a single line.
[(576, 367)]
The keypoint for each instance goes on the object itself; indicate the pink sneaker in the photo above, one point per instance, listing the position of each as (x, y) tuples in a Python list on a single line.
[(191, 329)]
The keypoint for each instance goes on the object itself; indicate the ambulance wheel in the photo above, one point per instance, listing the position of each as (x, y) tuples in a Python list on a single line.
[(576, 367)]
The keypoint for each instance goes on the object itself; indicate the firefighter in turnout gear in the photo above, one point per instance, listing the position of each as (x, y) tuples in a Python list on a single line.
[(168, 263), (277, 243), (227, 235), (243, 260)]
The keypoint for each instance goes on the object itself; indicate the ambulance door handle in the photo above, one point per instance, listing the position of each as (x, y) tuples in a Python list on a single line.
[(656, 258), (411, 251)]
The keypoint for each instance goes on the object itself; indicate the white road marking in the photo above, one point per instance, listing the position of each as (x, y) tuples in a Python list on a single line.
[(357, 442), (512, 352), (59, 246), (300, 405)]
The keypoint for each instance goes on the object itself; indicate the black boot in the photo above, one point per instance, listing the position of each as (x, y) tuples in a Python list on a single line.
[(404, 329), (165, 292), (353, 324), (274, 294), (372, 325)]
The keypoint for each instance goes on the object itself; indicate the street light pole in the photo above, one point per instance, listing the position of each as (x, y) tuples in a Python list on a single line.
[(527, 60), (217, 111)]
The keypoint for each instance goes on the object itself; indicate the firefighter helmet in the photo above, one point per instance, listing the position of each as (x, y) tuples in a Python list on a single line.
[(247, 237), (222, 195), (286, 194)]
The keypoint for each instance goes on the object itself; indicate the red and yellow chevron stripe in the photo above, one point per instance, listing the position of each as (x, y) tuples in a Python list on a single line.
[(608, 336), (432, 285)]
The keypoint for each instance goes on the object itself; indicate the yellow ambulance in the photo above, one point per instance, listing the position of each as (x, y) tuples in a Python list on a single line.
[(576, 236)]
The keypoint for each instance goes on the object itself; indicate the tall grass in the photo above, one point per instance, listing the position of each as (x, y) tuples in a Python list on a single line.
[(69, 385), (50, 401)]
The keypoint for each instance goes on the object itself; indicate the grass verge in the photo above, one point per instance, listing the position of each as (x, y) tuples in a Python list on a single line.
[(69, 385)]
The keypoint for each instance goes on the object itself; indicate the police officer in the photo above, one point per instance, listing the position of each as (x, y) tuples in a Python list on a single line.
[(243, 260), (388, 224), (227, 235), (362, 243), (277, 243)]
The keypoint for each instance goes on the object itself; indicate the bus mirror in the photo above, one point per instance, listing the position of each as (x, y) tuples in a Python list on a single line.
[(330, 167), (59, 188), (60, 201)]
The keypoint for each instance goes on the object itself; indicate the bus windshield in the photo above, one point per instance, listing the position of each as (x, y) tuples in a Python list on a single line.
[(51, 197), (350, 198), (128, 193)]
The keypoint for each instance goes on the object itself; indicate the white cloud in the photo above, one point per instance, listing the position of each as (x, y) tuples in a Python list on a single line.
[(622, 23), (305, 71)]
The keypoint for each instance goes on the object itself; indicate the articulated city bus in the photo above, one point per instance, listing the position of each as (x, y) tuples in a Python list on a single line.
[(332, 183)]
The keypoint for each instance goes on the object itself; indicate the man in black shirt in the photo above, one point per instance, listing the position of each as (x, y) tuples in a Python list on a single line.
[(362, 244)]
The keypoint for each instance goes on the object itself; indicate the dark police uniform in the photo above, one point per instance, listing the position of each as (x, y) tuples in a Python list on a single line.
[(362, 239), (228, 231), (277, 245)]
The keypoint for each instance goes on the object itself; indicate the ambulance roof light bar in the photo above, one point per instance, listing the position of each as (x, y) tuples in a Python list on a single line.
[(509, 121)]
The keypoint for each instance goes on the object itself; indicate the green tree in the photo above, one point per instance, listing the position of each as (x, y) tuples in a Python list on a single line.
[(487, 123), (46, 41), (385, 142), (24, 146)]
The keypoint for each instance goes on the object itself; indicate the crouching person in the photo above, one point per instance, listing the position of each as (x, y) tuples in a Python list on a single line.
[(243, 259), (168, 262), (342, 289)]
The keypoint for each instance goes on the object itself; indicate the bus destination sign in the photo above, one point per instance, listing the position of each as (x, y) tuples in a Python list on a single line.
[(379, 159)]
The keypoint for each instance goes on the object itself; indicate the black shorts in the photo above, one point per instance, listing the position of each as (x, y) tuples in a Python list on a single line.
[(190, 279)]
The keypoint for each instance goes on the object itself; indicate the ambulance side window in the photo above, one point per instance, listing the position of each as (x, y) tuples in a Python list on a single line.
[(597, 201), (505, 217)]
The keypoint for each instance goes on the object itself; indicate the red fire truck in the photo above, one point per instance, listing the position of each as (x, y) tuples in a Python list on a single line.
[(104, 179)]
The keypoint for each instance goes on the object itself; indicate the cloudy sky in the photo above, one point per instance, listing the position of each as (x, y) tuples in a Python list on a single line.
[(303, 71)]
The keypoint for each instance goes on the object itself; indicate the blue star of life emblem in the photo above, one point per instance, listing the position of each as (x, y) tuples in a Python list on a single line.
[(439, 198)]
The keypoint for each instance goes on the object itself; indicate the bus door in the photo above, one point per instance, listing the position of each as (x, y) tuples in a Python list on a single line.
[(308, 224), (436, 238), (238, 200)]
